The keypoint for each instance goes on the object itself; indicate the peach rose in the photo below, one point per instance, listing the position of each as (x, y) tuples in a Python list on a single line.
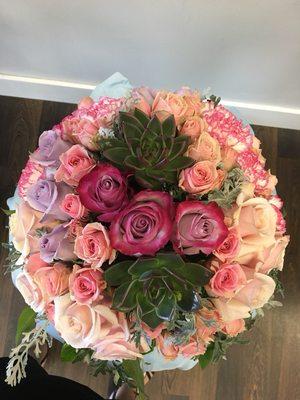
[(228, 278), (86, 285), (255, 220), (72, 206), (30, 291), (93, 245), (167, 103), (230, 247), (22, 225), (99, 328), (53, 280), (255, 294), (193, 127), (233, 328), (166, 347), (229, 158), (205, 148), (153, 333), (201, 178), (195, 105), (207, 324), (75, 163), (273, 257)]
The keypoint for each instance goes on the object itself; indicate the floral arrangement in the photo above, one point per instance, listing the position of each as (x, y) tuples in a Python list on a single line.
[(145, 222)]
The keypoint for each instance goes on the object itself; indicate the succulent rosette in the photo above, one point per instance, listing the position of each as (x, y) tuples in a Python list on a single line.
[(147, 222)]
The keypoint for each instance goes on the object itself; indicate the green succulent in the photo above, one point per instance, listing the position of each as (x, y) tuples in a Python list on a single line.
[(149, 148), (157, 288)]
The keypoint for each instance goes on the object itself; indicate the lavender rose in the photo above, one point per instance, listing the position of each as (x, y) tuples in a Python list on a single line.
[(145, 225), (51, 146), (200, 227), (46, 196), (56, 245), (104, 191)]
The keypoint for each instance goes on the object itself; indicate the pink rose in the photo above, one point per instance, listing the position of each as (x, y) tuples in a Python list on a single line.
[(167, 103), (255, 294), (86, 285), (193, 127), (72, 206), (104, 191), (34, 262), (145, 225), (228, 278), (205, 148), (199, 227), (233, 328), (201, 178), (30, 291), (98, 327), (230, 247), (93, 245), (75, 163)]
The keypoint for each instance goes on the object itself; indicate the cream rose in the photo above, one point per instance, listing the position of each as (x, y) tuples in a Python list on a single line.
[(30, 291), (22, 225)]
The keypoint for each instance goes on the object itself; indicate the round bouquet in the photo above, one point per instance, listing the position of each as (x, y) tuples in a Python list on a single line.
[(146, 234)]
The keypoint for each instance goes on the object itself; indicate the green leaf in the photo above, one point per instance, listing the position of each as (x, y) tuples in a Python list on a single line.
[(170, 260), (169, 126), (166, 307), (179, 163), (118, 273), (125, 296), (133, 163), (127, 118), (189, 301), (206, 358), (26, 323), (143, 265), (116, 154), (8, 212), (146, 312), (133, 370), (131, 131), (154, 126), (196, 274), (68, 353), (142, 117)]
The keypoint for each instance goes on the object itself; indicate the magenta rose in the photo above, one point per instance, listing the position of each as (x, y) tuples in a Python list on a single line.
[(145, 225), (200, 227), (104, 191)]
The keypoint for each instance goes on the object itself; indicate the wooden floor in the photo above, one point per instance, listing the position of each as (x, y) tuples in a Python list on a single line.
[(266, 369)]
